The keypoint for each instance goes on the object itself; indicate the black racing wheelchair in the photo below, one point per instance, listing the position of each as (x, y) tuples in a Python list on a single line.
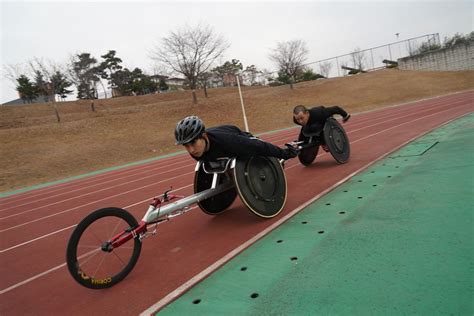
[(332, 138)]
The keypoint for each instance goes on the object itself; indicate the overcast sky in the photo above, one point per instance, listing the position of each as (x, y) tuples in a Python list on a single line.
[(56, 30)]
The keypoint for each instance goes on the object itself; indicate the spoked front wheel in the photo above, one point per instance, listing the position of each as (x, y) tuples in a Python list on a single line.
[(92, 259)]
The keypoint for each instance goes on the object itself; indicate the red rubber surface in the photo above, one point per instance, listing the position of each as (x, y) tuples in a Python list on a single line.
[(35, 226)]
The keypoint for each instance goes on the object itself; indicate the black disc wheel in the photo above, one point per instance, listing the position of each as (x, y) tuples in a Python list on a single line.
[(261, 184), (337, 141), (218, 203), (91, 259), (309, 152)]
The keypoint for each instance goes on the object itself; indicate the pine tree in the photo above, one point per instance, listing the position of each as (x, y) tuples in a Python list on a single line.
[(27, 90)]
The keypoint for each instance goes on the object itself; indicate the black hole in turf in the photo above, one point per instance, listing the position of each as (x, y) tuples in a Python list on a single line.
[(254, 295), (374, 185), (389, 176), (328, 203), (372, 172), (342, 212), (279, 241), (243, 268), (294, 258), (359, 181), (359, 197), (304, 222), (321, 232), (346, 191), (197, 301)]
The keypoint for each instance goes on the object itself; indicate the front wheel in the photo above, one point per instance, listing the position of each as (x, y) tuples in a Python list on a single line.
[(91, 260)]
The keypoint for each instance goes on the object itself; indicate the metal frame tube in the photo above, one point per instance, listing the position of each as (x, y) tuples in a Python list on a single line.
[(156, 213)]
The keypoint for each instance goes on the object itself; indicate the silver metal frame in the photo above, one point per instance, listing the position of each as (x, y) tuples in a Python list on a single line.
[(158, 213)]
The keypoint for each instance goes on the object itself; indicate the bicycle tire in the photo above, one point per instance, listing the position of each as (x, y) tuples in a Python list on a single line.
[(73, 258)]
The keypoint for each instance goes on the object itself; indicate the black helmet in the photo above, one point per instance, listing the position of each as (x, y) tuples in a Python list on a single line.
[(188, 129)]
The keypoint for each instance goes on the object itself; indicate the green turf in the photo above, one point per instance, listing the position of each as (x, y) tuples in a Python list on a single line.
[(397, 239)]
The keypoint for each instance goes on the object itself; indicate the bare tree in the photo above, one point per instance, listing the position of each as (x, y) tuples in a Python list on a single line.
[(325, 68), (13, 71), (46, 69), (203, 80), (190, 51), (358, 59), (44, 72), (290, 57)]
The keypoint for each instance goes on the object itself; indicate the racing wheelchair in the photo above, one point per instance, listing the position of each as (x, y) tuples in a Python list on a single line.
[(332, 138), (105, 246)]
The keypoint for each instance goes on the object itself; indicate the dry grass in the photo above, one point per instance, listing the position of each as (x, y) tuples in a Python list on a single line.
[(35, 148)]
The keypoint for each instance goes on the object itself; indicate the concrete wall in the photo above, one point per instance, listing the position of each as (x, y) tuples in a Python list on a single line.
[(459, 57)]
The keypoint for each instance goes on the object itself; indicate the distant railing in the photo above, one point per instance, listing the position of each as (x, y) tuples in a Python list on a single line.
[(372, 58)]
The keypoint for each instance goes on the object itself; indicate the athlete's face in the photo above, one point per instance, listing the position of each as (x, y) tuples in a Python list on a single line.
[(302, 118), (197, 147)]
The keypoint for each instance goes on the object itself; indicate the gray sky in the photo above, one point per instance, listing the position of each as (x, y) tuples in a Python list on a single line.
[(56, 30)]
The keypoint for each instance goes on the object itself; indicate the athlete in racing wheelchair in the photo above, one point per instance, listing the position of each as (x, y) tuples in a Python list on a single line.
[(319, 128), (253, 165)]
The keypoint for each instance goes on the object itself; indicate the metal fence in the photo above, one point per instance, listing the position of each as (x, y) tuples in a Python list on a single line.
[(372, 58)]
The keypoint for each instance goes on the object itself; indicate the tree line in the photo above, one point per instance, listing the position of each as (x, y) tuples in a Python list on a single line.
[(191, 52)]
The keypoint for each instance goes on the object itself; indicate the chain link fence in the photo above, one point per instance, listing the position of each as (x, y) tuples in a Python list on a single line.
[(372, 58)]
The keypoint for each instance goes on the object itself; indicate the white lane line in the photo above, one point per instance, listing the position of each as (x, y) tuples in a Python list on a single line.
[(93, 202), (86, 194), (8, 289), (91, 185), (69, 227), (39, 238), (67, 184)]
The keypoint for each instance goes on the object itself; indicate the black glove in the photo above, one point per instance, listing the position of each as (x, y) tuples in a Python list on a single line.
[(289, 152)]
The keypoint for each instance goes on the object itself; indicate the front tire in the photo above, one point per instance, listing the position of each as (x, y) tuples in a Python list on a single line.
[(87, 261)]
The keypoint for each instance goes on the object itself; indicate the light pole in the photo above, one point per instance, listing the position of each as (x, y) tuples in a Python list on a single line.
[(242, 103), (399, 50)]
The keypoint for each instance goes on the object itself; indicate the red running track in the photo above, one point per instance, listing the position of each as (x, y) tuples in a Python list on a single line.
[(35, 225)]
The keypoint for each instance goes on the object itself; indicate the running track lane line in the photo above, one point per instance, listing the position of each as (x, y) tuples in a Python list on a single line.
[(167, 299), (200, 276), (66, 228)]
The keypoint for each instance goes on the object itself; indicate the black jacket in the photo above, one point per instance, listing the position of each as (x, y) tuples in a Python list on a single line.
[(318, 116), (230, 141)]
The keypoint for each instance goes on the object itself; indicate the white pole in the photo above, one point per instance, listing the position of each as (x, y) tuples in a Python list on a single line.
[(242, 103)]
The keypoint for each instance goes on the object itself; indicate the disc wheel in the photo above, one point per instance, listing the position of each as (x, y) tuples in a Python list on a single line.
[(218, 203), (337, 141), (308, 154), (261, 184), (90, 259)]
